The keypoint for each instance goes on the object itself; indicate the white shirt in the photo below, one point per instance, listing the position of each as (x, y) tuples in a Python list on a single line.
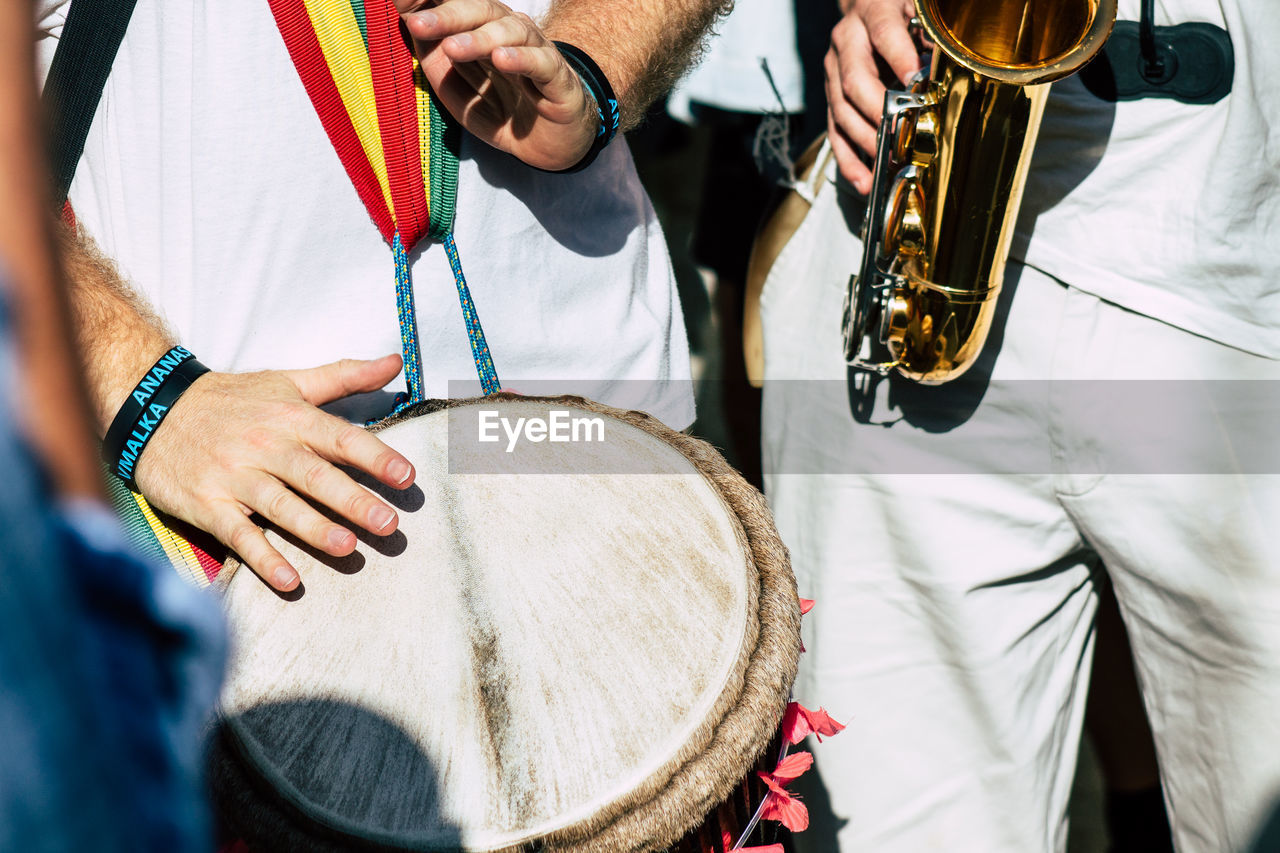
[(730, 75), (207, 175), (1169, 209)]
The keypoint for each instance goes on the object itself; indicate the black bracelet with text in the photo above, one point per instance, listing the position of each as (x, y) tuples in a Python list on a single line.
[(598, 85), (145, 408)]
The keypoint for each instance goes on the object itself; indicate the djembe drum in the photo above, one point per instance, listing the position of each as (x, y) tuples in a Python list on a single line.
[(578, 645)]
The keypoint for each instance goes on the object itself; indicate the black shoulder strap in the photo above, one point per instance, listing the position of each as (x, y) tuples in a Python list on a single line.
[(90, 39)]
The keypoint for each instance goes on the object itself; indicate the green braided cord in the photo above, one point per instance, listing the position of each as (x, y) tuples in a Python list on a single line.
[(446, 138), (357, 6)]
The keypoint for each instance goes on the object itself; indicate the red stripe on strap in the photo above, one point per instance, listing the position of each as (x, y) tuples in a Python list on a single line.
[(392, 65), (208, 564), (308, 58)]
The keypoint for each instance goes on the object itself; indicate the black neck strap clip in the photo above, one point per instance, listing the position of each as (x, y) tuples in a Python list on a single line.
[(1192, 62)]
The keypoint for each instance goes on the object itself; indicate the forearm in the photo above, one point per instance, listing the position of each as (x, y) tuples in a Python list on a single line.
[(118, 334), (643, 46)]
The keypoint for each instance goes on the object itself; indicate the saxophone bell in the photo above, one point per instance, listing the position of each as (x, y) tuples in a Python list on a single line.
[(952, 153)]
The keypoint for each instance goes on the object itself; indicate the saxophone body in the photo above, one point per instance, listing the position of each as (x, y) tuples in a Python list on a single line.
[(951, 161)]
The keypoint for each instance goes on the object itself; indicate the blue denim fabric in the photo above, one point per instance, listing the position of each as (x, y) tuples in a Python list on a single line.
[(109, 666)]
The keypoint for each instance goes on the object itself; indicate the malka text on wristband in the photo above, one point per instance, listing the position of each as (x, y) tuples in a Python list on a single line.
[(144, 409), (598, 86)]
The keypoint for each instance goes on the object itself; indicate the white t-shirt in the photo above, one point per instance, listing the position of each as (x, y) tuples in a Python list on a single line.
[(730, 75), (1169, 209), (208, 176)]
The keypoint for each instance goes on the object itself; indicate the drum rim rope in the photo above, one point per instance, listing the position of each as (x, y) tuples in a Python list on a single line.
[(671, 803)]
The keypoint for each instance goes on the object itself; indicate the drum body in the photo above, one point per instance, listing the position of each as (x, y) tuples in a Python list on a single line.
[(576, 645)]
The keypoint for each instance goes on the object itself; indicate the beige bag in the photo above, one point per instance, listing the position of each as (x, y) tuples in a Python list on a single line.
[(768, 245)]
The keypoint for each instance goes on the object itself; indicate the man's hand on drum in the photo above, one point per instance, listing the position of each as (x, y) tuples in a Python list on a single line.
[(855, 93), (236, 444), (497, 74)]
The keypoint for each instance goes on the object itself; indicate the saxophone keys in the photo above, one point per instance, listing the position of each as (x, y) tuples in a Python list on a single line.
[(904, 229), (895, 319), (925, 136)]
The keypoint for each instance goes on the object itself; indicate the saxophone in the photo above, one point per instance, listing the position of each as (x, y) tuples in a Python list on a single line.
[(951, 161)]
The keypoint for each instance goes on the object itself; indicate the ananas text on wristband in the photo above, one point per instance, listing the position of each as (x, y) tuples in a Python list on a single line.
[(145, 408)]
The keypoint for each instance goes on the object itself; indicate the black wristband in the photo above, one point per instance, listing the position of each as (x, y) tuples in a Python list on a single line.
[(598, 85), (145, 408)]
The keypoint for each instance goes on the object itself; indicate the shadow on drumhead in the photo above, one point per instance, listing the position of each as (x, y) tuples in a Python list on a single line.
[(298, 799), (411, 499), (610, 708), (392, 545)]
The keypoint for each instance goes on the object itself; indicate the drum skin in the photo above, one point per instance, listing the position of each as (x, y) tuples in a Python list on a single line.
[(575, 646)]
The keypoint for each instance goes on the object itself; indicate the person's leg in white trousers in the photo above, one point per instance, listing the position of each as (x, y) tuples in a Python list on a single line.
[(954, 620)]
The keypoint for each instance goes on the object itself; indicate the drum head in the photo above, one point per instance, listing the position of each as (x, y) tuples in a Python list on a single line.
[(583, 647)]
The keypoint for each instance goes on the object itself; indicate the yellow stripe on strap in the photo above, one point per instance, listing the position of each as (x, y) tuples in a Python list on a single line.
[(423, 96), (344, 52), (175, 548)]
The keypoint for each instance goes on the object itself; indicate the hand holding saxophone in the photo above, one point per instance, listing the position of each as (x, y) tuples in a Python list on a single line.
[(855, 93), (951, 152)]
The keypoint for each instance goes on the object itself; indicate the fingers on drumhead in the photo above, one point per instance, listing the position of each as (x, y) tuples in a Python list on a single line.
[(244, 537)]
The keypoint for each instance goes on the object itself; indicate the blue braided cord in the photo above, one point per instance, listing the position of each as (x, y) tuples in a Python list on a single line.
[(408, 327), (479, 349)]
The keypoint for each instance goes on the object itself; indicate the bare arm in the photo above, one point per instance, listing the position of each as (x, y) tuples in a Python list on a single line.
[(643, 46), (117, 332), (54, 405)]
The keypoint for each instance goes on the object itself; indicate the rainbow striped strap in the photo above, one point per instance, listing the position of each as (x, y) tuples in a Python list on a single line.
[(155, 536), (397, 146)]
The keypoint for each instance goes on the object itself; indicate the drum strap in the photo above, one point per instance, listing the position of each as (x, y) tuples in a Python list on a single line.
[(90, 39), (398, 147)]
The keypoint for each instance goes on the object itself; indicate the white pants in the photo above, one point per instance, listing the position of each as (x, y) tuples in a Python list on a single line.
[(953, 630)]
